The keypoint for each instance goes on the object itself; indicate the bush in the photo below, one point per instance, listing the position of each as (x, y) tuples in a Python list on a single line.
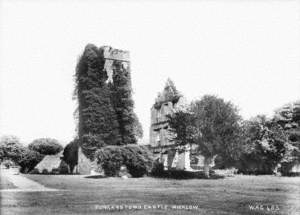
[(29, 159), (46, 146), (110, 158), (55, 171), (286, 168), (158, 169), (34, 171), (137, 159), (45, 171), (63, 168), (71, 154)]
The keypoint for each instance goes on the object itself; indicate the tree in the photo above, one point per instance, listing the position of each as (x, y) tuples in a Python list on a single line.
[(182, 125), (217, 125), (71, 154), (265, 146), (29, 159), (10, 148), (121, 96), (288, 117), (46, 146)]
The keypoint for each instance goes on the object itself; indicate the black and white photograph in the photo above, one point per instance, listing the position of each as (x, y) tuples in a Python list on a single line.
[(150, 107)]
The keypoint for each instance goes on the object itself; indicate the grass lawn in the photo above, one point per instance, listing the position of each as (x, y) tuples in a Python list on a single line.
[(233, 195)]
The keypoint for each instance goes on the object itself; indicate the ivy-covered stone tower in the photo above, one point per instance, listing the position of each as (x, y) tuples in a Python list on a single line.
[(105, 105)]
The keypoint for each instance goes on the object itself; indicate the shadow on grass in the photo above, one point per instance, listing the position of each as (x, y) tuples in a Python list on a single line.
[(95, 176), (180, 174)]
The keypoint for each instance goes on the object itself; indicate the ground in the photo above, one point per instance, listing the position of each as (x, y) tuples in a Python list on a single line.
[(75, 194)]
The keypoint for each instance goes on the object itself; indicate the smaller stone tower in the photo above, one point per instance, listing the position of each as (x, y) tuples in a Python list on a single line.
[(161, 138)]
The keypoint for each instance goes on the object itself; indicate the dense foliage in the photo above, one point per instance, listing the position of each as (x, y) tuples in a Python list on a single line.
[(105, 109), (182, 124), (137, 159), (217, 125), (123, 103), (46, 146), (213, 125), (97, 119), (265, 146), (70, 154), (29, 159), (10, 148), (255, 146), (288, 117)]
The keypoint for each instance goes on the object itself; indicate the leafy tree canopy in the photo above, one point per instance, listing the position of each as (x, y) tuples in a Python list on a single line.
[(182, 125), (265, 146), (29, 159), (46, 146), (10, 148), (217, 123), (288, 115)]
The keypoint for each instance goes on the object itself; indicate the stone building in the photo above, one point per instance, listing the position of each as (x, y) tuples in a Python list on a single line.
[(162, 143)]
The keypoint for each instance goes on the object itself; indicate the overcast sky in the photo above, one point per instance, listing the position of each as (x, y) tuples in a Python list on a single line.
[(247, 52)]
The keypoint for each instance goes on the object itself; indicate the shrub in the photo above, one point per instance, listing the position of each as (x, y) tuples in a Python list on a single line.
[(71, 154), (55, 171), (63, 168), (45, 171), (29, 159), (34, 171), (137, 159), (158, 169), (110, 158), (46, 146)]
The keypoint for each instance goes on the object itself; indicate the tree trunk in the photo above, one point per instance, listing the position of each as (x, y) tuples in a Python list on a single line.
[(207, 161), (206, 170)]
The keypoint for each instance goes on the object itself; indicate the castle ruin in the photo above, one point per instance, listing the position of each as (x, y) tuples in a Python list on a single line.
[(173, 156), (162, 143), (110, 57)]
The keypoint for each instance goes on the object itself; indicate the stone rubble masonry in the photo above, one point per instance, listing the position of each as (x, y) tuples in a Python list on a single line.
[(161, 139), (85, 165), (110, 55)]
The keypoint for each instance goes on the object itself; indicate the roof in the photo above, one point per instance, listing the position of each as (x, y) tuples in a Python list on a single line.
[(49, 162)]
